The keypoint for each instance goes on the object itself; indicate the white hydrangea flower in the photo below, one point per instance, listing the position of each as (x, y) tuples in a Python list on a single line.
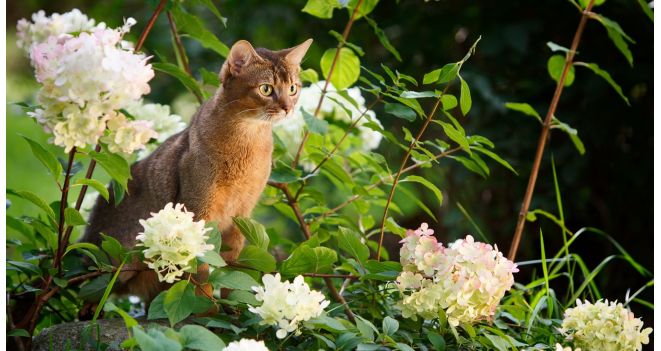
[(127, 136), (604, 326), (334, 106), (172, 239), (466, 280), (87, 73), (164, 123), (285, 304), (246, 345), (559, 347), (41, 27)]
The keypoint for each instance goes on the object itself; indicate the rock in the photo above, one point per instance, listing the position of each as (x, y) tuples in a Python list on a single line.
[(67, 336)]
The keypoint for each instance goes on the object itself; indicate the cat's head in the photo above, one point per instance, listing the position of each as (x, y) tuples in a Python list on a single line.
[(260, 83)]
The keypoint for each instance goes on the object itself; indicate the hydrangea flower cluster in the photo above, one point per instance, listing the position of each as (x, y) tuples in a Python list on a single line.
[(164, 123), (87, 73), (42, 27), (465, 280), (172, 239), (287, 304), (246, 345), (606, 326), (334, 106)]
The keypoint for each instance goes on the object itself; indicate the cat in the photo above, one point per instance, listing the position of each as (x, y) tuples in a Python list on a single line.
[(217, 167)]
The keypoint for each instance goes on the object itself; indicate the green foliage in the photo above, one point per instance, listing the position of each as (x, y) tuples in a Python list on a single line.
[(346, 70)]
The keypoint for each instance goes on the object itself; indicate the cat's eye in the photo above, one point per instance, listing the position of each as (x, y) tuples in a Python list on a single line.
[(293, 89), (266, 89)]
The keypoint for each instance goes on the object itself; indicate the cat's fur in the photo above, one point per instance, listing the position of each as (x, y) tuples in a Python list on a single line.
[(217, 167)]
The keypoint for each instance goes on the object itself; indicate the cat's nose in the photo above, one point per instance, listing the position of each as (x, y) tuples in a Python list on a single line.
[(287, 106)]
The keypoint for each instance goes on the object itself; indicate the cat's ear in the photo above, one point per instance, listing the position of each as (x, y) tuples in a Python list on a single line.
[(295, 55), (240, 55)]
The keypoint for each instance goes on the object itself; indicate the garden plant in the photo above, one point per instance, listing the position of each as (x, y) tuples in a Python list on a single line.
[(331, 283)]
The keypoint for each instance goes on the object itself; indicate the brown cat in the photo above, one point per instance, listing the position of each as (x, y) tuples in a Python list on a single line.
[(217, 167)]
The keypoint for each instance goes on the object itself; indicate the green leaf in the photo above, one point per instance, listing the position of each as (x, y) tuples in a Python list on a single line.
[(155, 341), (606, 76), (383, 38), (437, 340), (257, 258), (555, 47), (129, 321), (35, 199), (197, 337), (350, 241), (555, 66), (308, 260), (209, 77), (465, 98), (72, 217), (213, 258), (315, 125), (525, 109), (235, 280), (494, 157), (115, 165), (390, 325), (429, 185), (571, 132), (309, 75), (25, 267), (209, 4), (93, 290), (418, 94), (182, 76), (193, 26), (456, 135), (366, 7), (400, 111), (156, 309), (253, 231), (46, 158), (617, 36), (321, 8), (442, 75), (112, 247), (97, 185), (19, 332), (178, 302), (347, 67), (448, 101), (647, 9), (352, 46)]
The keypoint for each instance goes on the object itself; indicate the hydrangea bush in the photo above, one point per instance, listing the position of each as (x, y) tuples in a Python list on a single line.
[(327, 282)]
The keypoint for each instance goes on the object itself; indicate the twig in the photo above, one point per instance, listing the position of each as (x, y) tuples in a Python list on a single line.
[(345, 36), (150, 24), (383, 180), (340, 299), (405, 159), (291, 201), (180, 46), (63, 206), (541, 144)]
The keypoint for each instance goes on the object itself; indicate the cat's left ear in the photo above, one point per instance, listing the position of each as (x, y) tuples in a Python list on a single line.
[(295, 55)]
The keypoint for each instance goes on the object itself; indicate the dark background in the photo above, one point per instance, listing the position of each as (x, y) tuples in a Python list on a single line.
[(610, 187)]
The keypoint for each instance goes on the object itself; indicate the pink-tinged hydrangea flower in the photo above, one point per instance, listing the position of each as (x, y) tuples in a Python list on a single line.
[(604, 326), (246, 345), (172, 240), (466, 280), (41, 27), (285, 304), (127, 136), (87, 73)]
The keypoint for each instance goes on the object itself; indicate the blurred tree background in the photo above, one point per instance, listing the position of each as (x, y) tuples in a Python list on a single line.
[(609, 187)]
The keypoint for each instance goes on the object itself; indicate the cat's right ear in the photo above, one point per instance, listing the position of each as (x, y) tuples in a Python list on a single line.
[(240, 55)]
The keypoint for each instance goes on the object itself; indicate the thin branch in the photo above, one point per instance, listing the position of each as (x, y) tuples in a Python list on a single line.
[(63, 206), (340, 299), (150, 24), (405, 159), (291, 201), (382, 181), (345, 36), (541, 144), (177, 41)]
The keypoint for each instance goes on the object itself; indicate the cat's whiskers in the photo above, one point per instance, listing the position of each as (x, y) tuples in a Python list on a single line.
[(248, 110)]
